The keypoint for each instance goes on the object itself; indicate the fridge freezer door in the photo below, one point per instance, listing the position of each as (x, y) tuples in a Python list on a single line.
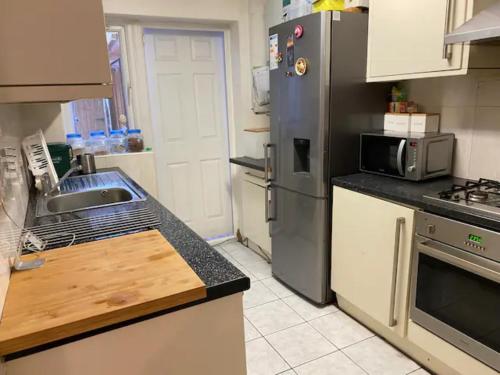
[(299, 106), (300, 238)]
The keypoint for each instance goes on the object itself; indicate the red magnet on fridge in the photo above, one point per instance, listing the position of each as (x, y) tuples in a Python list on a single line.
[(299, 31)]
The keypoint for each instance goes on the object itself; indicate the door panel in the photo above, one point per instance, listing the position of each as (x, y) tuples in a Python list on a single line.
[(419, 45), (188, 103), (299, 238), (299, 110), (363, 250)]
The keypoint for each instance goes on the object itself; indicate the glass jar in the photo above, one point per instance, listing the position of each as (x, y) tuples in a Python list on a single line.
[(76, 142), (97, 143), (135, 141), (117, 142)]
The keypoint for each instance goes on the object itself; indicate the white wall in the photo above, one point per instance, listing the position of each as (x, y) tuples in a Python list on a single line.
[(470, 108)]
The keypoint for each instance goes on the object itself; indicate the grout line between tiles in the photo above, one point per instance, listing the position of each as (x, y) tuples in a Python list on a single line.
[(352, 359)]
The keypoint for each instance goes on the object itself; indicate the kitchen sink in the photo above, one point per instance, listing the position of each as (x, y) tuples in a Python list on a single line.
[(89, 191), (87, 199)]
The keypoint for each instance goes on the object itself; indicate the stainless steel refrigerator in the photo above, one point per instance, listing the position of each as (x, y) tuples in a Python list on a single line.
[(320, 103)]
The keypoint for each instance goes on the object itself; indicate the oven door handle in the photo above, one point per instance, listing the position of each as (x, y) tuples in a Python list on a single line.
[(401, 149), (400, 221), (482, 267)]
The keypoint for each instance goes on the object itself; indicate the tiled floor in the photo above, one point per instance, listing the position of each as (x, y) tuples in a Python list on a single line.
[(287, 335)]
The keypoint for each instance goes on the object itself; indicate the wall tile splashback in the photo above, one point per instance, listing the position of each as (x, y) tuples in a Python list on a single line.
[(470, 108)]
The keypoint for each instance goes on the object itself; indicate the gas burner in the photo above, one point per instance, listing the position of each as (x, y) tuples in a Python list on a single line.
[(477, 196), (480, 197)]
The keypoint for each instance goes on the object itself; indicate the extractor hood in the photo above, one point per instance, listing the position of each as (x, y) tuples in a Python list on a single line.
[(483, 27)]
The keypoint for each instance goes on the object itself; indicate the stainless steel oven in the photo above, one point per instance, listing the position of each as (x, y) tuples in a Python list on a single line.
[(455, 287), (410, 156)]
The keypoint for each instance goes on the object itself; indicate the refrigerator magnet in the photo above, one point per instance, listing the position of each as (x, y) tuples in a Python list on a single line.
[(274, 55), (301, 66), (290, 51)]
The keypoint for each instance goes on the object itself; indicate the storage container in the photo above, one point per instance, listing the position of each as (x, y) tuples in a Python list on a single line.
[(296, 8), (399, 122), (76, 142), (117, 143), (424, 122), (135, 141), (97, 143)]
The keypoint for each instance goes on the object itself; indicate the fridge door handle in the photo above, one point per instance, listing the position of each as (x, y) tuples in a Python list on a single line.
[(401, 149), (267, 162), (267, 190), (400, 221)]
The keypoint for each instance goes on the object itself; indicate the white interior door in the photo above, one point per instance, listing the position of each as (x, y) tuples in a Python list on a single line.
[(186, 74)]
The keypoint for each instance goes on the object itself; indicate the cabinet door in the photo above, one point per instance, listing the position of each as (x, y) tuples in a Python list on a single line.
[(254, 222), (406, 39), (52, 42), (364, 249)]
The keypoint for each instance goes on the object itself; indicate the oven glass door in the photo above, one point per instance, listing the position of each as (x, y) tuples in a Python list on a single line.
[(385, 155), (460, 305)]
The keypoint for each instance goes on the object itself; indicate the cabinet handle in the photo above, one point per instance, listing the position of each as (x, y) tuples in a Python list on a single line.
[(397, 239), (267, 163), (447, 51)]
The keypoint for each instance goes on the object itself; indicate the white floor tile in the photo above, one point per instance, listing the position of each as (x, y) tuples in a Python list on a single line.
[(306, 309), (243, 269), (272, 317), (376, 357), (261, 269), (251, 332), (262, 359), (231, 246), (258, 294), (333, 364), (288, 372), (341, 329), (277, 287), (244, 255), (300, 344)]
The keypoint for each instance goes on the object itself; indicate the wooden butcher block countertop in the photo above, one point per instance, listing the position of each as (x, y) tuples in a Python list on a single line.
[(93, 285)]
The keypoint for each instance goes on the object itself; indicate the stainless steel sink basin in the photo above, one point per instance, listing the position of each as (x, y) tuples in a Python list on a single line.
[(89, 191), (87, 199)]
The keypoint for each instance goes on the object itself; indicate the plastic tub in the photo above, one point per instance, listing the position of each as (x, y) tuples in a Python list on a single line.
[(97, 143), (135, 141), (117, 143), (76, 142)]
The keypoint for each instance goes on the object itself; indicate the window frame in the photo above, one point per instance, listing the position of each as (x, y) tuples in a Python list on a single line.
[(66, 108)]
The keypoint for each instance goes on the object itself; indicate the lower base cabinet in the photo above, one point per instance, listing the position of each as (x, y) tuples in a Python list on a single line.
[(372, 242), (255, 227)]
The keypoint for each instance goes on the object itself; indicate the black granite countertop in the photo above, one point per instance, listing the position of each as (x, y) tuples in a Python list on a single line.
[(219, 275), (412, 193), (245, 161)]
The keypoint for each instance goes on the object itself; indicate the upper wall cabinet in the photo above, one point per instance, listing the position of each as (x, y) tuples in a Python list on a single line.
[(406, 39), (53, 50)]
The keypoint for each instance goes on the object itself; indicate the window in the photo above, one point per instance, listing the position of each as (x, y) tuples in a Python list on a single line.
[(88, 115)]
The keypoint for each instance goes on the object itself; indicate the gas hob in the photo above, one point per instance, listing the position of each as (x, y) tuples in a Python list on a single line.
[(480, 197)]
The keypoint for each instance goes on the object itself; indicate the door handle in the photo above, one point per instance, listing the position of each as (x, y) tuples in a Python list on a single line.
[(267, 190), (397, 239), (267, 162), (447, 49), (401, 148)]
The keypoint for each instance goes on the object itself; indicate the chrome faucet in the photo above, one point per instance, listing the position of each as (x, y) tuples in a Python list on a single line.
[(46, 180)]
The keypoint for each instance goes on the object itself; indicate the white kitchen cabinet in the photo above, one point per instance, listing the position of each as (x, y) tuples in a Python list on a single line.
[(255, 226), (371, 250), (406, 40), (53, 51)]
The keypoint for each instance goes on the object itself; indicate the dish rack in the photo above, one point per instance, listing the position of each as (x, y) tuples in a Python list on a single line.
[(39, 161)]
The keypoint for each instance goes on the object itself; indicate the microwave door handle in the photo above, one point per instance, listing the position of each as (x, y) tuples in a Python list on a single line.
[(401, 149)]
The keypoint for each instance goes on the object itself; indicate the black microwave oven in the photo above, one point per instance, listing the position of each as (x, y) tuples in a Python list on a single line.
[(409, 156)]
